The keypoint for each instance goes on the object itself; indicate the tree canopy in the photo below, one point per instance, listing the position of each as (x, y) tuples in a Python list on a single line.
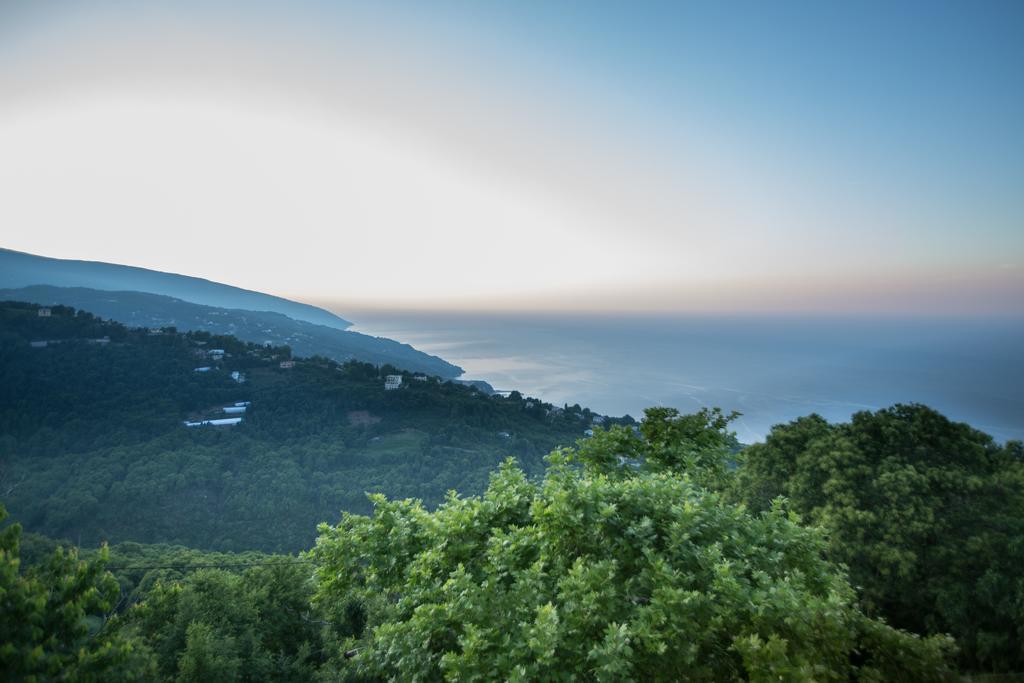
[(52, 619), (928, 514), (618, 565)]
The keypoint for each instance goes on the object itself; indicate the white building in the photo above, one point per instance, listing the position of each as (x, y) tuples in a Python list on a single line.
[(392, 382), (220, 422), (238, 377), (286, 364), (45, 312), (205, 368), (234, 410)]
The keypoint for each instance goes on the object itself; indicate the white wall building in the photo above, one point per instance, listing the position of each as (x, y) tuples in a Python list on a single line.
[(220, 422), (392, 382)]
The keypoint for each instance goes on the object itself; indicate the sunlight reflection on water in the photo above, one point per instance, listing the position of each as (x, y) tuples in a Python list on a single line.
[(771, 370)]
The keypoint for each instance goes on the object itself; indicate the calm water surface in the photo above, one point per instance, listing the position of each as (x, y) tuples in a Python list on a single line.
[(770, 369)]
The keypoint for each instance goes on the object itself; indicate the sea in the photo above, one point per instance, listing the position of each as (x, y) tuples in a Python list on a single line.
[(771, 369)]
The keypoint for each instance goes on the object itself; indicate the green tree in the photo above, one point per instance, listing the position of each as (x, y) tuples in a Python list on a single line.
[(928, 515), (619, 565), (51, 619), (208, 656), (217, 625)]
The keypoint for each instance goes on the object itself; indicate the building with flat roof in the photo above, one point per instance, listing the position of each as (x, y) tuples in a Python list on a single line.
[(220, 422)]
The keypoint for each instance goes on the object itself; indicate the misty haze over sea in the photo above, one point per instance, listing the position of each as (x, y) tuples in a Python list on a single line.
[(770, 369)]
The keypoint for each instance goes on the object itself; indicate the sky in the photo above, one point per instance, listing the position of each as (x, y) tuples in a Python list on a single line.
[(720, 157)]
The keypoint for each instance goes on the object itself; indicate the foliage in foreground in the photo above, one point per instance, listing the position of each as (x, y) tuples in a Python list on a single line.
[(216, 625), (45, 629), (619, 565), (652, 557), (927, 513)]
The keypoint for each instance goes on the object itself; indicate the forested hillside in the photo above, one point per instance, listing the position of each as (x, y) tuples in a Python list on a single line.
[(141, 309), (93, 423)]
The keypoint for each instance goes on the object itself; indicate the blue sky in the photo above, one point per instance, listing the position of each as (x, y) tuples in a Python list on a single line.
[(794, 156)]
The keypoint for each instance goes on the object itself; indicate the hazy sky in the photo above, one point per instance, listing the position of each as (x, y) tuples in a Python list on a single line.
[(765, 156)]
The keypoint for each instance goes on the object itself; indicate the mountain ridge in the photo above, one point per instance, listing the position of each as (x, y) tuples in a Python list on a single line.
[(144, 309), (21, 269)]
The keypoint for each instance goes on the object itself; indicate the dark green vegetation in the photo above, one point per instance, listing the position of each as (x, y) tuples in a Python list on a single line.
[(139, 309), (607, 571), (928, 515), (204, 617), (18, 269), (829, 552), (51, 619), (90, 429)]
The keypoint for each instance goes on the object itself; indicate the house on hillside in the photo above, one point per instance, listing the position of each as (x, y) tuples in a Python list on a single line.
[(392, 382), (216, 354), (287, 364), (238, 377), (221, 422), (234, 410), (205, 368), (45, 312)]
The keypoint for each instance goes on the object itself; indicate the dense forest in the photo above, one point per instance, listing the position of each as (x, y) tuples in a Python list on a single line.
[(888, 548), (92, 424)]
